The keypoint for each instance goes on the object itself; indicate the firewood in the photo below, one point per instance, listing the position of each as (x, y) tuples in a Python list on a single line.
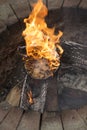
[(13, 96)]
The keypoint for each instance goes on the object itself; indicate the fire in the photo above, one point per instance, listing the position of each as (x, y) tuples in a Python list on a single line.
[(42, 45), (30, 97)]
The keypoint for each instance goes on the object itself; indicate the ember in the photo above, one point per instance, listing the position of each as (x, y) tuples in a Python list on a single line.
[(42, 45)]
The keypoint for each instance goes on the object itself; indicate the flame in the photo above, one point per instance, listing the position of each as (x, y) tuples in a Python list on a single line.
[(41, 42), (30, 99)]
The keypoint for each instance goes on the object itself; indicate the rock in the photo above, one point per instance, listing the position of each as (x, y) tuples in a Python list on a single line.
[(74, 81), (4, 1), (54, 4), (20, 7), (13, 97), (50, 3), (7, 16), (11, 11), (71, 3), (2, 25), (83, 4), (34, 1), (73, 72)]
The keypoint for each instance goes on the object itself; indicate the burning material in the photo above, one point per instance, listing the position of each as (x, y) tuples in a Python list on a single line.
[(42, 45), (42, 59), (33, 98), (30, 97)]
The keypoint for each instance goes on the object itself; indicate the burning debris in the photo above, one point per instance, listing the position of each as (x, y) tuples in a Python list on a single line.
[(33, 97), (30, 97), (42, 45), (43, 53)]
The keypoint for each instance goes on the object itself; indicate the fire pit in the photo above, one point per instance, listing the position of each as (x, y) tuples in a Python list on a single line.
[(37, 91)]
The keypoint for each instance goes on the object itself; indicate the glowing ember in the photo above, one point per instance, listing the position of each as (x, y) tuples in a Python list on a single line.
[(42, 45), (30, 98)]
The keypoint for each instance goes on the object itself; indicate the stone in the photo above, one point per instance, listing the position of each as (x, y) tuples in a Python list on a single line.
[(20, 7), (50, 3), (2, 25), (34, 1), (83, 4), (71, 3), (7, 16), (4, 1), (74, 81), (54, 4)]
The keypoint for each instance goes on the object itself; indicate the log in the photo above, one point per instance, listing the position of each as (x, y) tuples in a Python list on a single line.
[(73, 69), (13, 97), (39, 91), (72, 76), (72, 99), (74, 55), (52, 95)]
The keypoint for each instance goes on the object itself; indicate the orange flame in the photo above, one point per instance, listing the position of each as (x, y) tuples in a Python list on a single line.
[(41, 42), (30, 98)]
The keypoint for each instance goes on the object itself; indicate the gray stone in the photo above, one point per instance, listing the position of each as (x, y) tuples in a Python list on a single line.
[(4, 1), (2, 25), (83, 4), (7, 16), (54, 4), (75, 81), (34, 1), (51, 3), (20, 7), (71, 3)]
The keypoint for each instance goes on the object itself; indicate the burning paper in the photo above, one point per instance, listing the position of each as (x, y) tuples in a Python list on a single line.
[(42, 45)]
